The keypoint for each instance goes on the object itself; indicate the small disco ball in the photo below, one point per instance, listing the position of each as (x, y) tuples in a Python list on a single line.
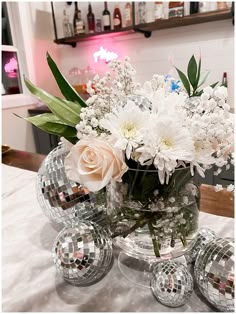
[(82, 253), (140, 101), (62, 200), (214, 273), (203, 237), (171, 283)]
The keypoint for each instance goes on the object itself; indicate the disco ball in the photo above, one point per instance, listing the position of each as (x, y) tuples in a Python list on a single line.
[(214, 273), (203, 237), (62, 200), (82, 253), (171, 283)]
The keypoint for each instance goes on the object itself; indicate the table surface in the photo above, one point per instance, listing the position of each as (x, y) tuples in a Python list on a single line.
[(29, 279), (217, 203)]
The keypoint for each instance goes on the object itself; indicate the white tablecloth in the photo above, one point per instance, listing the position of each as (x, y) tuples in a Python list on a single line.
[(29, 279)]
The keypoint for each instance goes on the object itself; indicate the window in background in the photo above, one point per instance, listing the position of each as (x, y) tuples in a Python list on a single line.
[(11, 82)]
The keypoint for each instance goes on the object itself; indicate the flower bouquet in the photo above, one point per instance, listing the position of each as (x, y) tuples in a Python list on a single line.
[(143, 144)]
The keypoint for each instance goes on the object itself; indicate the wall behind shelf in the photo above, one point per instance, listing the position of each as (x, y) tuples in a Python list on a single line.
[(175, 46)]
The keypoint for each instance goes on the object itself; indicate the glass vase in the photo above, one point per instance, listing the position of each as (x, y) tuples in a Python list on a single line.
[(151, 221)]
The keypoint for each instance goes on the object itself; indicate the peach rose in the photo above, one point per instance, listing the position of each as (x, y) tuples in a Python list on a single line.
[(93, 162)]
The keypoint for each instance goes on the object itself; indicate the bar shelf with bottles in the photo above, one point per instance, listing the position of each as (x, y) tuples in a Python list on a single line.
[(142, 26)]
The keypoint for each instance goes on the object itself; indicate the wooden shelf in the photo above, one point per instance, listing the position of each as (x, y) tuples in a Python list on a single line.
[(147, 28), (192, 19), (85, 37)]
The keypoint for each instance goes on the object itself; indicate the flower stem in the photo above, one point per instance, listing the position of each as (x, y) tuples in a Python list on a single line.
[(156, 245)]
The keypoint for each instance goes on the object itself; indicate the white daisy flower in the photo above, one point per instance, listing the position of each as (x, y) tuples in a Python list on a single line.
[(168, 143), (125, 125)]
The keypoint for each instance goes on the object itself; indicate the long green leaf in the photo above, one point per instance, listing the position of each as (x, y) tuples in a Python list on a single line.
[(198, 71), (203, 80), (67, 90), (192, 72), (68, 113), (184, 80), (49, 123)]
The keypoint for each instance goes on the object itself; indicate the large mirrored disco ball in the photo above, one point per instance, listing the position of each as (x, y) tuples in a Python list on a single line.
[(140, 101), (203, 237), (214, 273), (62, 200), (82, 253), (171, 283)]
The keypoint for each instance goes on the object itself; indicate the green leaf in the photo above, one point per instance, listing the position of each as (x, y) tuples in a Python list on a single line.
[(69, 112), (214, 85), (184, 80), (49, 123), (204, 79), (67, 90), (198, 72), (192, 72)]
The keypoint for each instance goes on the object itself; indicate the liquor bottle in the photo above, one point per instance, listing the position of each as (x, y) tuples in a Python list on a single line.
[(78, 23), (194, 7), (158, 12), (176, 9), (90, 19), (98, 26), (128, 14), (222, 5), (204, 7), (106, 17), (117, 20), (67, 27), (224, 80), (142, 12)]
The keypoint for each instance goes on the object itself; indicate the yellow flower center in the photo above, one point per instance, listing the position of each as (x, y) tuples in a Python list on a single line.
[(128, 129), (198, 146), (167, 142)]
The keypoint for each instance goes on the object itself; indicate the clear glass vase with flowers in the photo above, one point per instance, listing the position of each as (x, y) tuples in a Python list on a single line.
[(143, 144)]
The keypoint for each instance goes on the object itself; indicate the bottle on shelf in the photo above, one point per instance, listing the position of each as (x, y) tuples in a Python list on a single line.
[(194, 7), (98, 27), (176, 9), (67, 26), (186, 8), (90, 19), (128, 14), (106, 18), (117, 20), (142, 12), (213, 5), (78, 23), (158, 10), (222, 5), (224, 80), (204, 7)]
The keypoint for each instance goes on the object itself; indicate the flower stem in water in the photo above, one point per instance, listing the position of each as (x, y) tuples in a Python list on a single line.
[(156, 245)]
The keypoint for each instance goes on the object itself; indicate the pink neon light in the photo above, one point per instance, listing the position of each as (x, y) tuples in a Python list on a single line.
[(11, 68), (104, 54)]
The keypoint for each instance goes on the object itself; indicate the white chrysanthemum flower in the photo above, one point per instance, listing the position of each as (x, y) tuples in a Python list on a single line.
[(125, 125), (168, 143), (202, 155)]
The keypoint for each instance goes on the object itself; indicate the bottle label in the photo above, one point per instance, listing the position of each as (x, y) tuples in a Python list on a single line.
[(79, 27), (116, 21), (106, 20)]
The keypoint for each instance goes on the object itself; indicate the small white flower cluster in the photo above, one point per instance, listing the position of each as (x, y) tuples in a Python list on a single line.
[(170, 130), (104, 93), (219, 187)]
